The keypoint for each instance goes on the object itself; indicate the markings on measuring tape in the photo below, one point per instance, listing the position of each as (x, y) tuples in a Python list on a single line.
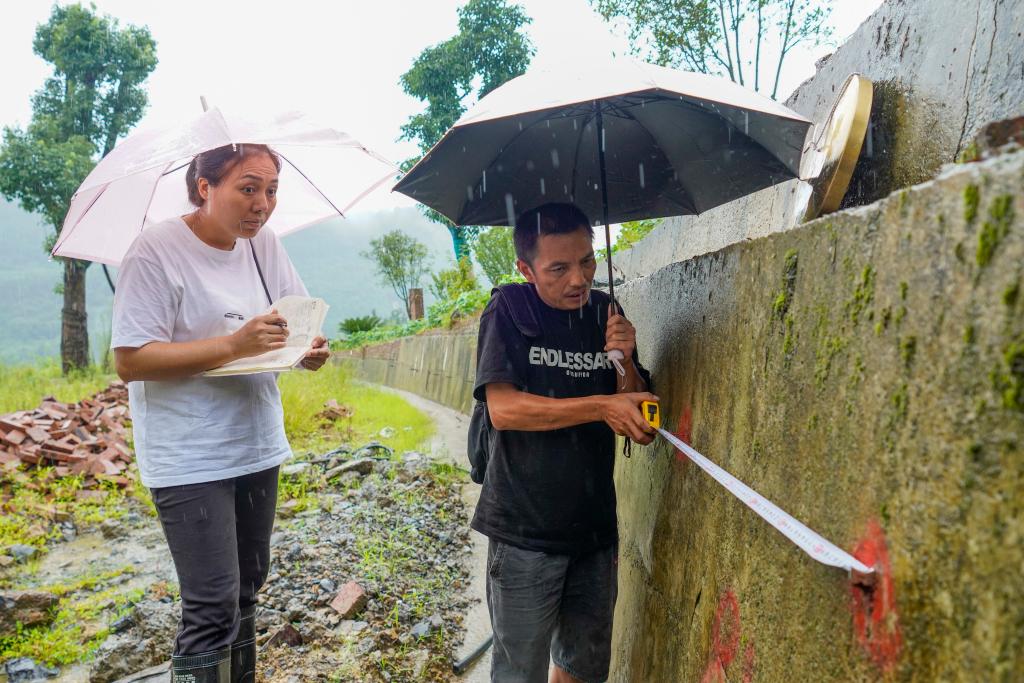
[(806, 539)]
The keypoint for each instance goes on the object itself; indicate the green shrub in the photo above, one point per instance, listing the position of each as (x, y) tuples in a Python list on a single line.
[(359, 324)]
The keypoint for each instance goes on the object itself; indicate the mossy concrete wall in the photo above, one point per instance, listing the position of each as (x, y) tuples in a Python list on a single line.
[(942, 69), (439, 365), (864, 371)]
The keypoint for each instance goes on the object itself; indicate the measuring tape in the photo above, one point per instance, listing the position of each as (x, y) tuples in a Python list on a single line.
[(806, 539)]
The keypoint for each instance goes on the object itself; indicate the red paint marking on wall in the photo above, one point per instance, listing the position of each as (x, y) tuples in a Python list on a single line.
[(749, 663), (683, 432), (725, 642), (875, 618)]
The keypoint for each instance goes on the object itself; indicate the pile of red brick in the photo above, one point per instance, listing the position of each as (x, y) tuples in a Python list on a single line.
[(86, 438)]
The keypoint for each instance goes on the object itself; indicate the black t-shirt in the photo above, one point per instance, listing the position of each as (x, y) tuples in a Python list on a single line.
[(549, 491)]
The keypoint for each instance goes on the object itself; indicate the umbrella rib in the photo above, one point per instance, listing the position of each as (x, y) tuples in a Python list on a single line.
[(312, 184), (87, 209), (152, 194)]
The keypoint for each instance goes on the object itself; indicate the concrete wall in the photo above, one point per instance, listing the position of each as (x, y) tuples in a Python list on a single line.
[(942, 69), (440, 365), (866, 372)]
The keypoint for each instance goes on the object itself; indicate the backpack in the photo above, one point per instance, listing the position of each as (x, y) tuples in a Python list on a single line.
[(518, 300)]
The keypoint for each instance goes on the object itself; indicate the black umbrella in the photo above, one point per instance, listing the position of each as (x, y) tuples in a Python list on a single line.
[(623, 141)]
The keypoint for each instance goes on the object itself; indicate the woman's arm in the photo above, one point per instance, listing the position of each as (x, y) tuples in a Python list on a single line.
[(178, 360)]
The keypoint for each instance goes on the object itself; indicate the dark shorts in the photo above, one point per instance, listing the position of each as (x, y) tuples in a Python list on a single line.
[(550, 608)]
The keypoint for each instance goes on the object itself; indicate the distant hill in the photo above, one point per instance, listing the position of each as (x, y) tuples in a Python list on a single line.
[(326, 256)]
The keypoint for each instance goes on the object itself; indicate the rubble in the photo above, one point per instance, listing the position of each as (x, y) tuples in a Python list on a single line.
[(85, 438), (28, 608)]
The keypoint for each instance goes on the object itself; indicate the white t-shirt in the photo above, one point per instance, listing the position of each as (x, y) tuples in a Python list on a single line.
[(173, 287)]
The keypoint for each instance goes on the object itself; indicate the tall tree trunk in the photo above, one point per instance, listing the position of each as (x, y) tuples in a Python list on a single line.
[(74, 332)]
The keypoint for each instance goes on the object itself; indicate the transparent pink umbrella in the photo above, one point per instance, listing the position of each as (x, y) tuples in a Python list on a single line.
[(142, 181)]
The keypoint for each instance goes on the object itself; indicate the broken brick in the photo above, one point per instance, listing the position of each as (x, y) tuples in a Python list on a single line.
[(350, 600)]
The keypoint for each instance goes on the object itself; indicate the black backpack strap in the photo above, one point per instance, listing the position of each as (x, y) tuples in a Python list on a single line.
[(521, 303)]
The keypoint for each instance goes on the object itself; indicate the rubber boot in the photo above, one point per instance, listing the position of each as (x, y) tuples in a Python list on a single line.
[(208, 667), (243, 650)]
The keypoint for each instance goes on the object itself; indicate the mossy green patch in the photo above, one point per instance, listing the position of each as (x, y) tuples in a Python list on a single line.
[(900, 401), (908, 347), (1011, 294), (863, 294), (971, 199), (1008, 380), (969, 153), (969, 333), (785, 297), (789, 341), (994, 229)]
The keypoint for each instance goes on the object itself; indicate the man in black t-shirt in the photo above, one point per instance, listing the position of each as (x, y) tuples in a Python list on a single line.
[(556, 401)]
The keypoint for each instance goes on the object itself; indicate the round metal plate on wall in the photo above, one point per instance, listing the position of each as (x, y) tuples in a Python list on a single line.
[(829, 162)]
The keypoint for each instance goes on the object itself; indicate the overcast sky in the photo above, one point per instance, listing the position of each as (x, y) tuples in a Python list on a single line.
[(340, 61)]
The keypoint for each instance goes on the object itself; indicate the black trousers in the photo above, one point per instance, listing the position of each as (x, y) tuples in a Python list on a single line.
[(219, 536)]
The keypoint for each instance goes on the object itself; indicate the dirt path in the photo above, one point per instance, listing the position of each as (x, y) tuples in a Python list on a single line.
[(449, 445)]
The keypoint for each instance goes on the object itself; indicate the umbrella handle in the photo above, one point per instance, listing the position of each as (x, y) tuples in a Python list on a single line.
[(615, 356)]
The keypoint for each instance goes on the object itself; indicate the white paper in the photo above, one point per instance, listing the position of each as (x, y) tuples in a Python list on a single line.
[(305, 316)]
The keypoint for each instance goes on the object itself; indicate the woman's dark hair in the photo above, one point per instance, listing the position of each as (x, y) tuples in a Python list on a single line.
[(555, 218), (214, 164)]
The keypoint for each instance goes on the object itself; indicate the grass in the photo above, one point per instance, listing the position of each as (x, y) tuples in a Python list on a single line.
[(22, 387), (303, 395), (37, 495), (79, 623)]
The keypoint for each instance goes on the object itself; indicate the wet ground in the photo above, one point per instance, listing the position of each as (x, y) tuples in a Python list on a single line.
[(136, 541)]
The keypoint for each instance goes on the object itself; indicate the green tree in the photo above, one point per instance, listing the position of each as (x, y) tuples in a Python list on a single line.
[(400, 261), (490, 48), (710, 36), (93, 98), (450, 283), (632, 232), (496, 254)]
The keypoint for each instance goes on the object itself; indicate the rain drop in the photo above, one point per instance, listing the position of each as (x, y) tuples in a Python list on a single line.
[(485, 182), (469, 193), (603, 131), (574, 124), (554, 158), (510, 209), (529, 164), (251, 503), (642, 183), (520, 126), (746, 123), (542, 186)]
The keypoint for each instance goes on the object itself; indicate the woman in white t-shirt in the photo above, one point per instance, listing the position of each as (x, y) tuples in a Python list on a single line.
[(191, 294)]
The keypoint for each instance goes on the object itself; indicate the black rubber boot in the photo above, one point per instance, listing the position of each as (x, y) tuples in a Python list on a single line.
[(243, 650), (208, 667)]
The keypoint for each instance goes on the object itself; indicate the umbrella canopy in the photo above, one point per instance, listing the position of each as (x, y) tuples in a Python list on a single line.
[(674, 143), (142, 181)]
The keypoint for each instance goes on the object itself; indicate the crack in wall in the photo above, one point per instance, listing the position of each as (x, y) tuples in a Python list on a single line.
[(967, 81)]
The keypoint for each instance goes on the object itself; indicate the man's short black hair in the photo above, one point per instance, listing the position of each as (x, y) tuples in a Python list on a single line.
[(556, 218)]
